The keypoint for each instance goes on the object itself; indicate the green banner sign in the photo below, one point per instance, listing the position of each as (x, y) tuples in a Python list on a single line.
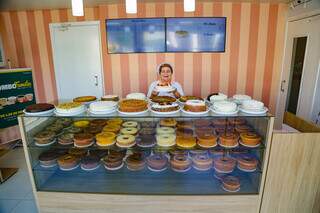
[(16, 92)]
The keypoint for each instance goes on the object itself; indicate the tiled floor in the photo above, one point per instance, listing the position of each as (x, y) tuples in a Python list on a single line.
[(16, 193)]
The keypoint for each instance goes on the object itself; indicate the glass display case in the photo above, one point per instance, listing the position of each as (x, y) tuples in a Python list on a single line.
[(209, 155)]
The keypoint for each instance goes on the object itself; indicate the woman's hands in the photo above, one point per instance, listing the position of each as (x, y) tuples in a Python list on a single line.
[(176, 93)]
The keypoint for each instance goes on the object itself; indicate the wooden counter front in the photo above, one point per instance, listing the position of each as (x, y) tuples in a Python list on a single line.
[(51, 202)]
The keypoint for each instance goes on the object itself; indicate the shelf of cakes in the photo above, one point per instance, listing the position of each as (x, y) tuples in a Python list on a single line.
[(147, 155), (136, 104)]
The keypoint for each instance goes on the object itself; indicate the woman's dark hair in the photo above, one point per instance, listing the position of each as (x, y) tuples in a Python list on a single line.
[(165, 65)]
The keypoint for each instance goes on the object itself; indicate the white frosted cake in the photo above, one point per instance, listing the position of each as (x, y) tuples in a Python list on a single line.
[(252, 105), (241, 98), (136, 95), (219, 97), (100, 106), (225, 106), (70, 108)]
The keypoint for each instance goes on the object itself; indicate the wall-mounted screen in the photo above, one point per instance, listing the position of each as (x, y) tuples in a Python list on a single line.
[(196, 34), (136, 35)]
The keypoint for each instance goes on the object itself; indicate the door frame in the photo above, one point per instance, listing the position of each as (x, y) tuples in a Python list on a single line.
[(286, 69), (78, 23)]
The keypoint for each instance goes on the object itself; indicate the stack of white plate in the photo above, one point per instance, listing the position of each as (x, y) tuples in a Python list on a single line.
[(103, 107)]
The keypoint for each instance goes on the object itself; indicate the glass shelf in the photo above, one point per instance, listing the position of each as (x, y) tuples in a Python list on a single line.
[(143, 182), (150, 114)]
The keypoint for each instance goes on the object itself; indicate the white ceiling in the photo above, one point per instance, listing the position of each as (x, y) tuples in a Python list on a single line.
[(55, 4)]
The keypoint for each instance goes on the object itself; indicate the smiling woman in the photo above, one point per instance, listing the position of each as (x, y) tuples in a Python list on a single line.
[(164, 86)]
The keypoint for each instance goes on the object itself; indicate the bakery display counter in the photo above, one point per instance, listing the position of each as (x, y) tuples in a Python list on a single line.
[(147, 155)]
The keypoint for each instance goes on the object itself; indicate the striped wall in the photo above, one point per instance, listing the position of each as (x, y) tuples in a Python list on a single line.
[(250, 65)]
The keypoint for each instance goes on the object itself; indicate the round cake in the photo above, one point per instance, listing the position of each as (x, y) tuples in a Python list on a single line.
[(168, 122), (48, 158), (199, 123), (204, 131), (113, 161), (129, 131), (55, 127), (133, 105), (250, 139), (65, 139), (98, 122), (157, 162), (83, 99), (231, 183), (40, 107), (165, 130), (135, 162), (229, 140), (180, 163), (163, 99), (110, 98), (145, 141), (79, 153), (195, 106), (247, 163), (115, 121), (186, 98), (44, 137), (186, 142), (105, 138), (90, 162), (111, 128), (147, 131), (81, 123), (83, 139), (136, 95), (252, 105), (224, 106), (184, 132), (240, 98), (185, 124), (169, 107), (207, 140), (224, 164), (70, 108), (217, 97), (126, 141), (130, 124), (68, 162), (93, 129), (65, 122), (166, 140), (202, 162), (103, 106), (148, 124)]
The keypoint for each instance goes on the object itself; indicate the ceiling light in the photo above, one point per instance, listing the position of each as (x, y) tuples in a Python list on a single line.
[(131, 6), (189, 5), (77, 7)]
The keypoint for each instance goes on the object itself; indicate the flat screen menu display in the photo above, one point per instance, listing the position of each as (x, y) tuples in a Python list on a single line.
[(196, 34), (136, 35)]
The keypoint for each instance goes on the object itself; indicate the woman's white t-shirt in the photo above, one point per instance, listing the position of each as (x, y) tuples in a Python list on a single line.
[(173, 84)]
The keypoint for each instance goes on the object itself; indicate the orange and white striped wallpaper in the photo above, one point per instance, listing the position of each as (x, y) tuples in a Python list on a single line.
[(250, 65)]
